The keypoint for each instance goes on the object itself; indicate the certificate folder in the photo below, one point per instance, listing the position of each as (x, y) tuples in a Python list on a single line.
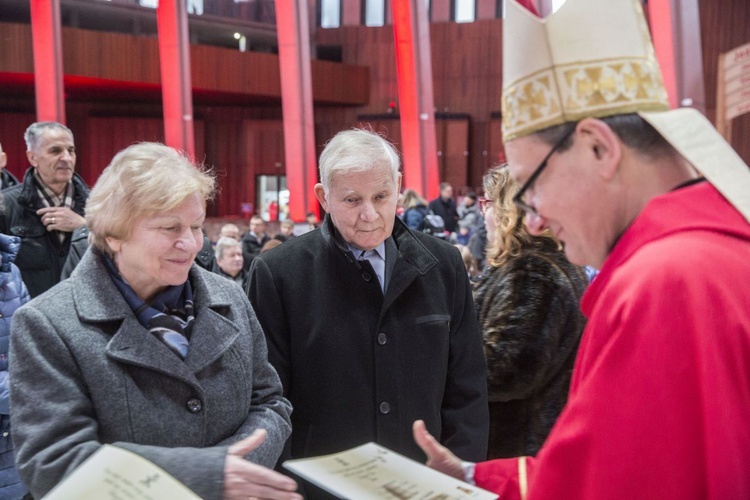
[(114, 473), (371, 472)]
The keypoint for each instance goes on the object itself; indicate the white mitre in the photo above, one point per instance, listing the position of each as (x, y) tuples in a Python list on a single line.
[(595, 58)]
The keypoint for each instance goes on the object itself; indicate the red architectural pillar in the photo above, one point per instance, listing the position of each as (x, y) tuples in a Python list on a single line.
[(48, 66), (176, 86), (416, 102), (662, 32), (293, 33), (675, 29)]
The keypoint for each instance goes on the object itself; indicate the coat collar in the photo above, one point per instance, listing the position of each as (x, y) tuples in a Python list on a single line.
[(97, 300), (413, 258), (29, 193), (409, 247), (699, 207)]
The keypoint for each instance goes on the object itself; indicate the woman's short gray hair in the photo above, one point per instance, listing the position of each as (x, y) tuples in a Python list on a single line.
[(357, 150), (142, 180)]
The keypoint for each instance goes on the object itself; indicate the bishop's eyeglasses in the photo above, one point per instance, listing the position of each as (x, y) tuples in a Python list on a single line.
[(520, 199)]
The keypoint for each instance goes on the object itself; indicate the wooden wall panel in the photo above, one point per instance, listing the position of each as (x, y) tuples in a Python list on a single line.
[(454, 160), (496, 151), (105, 136), (224, 141), (330, 86), (12, 127), (351, 13), (725, 26), (263, 155), (486, 9), (16, 55), (440, 11), (116, 57), (481, 160)]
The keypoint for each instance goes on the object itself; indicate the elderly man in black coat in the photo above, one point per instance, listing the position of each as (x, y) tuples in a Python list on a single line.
[(370, 325)]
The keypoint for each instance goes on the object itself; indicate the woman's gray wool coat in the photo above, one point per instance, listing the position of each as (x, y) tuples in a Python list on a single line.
[(86, 372)]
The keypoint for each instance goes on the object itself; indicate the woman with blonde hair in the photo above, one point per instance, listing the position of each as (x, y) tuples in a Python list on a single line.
[(415, 209), (143, 350), (527, 305)]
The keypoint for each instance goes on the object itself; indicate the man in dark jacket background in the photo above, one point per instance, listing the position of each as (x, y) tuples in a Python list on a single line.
[(46, 207), (253, 240), (6, 178), (445, 206), (371, 325)]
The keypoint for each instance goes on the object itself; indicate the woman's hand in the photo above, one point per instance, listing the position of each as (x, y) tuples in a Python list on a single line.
[(439, 457), (244, 480)]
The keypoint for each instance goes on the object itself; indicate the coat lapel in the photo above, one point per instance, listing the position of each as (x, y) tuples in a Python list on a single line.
[(212, 336), (413, 259), (133, 344), (98, 301)]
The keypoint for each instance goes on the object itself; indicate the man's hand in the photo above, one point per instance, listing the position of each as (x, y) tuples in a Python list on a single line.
[(244, 480), (439, 457), (60, 219)]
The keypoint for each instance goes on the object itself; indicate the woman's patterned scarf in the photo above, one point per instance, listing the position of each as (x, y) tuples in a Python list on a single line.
[(169, 316)]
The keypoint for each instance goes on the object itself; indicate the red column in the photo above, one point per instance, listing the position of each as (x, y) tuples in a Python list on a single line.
[(48, 66), (293, 33), (416, 102), (675, 28), (176, 86), (662, 32)]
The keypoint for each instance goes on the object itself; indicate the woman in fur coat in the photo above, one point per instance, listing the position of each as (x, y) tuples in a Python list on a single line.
[(527, 301)]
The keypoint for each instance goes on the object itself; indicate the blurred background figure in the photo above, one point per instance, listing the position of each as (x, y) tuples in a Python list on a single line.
[(272, 243), (463, 234), (286, 229), (229, 260), (253, 240), (445, 206), (205, 257), (312, 220), (469, 261), (415, 209), (144, 350), (13, 294), (230, 230), (527, 302), (6, 178), (468, 210)]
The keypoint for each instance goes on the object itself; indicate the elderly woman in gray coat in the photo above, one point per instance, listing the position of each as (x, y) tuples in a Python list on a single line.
[(143, 350)]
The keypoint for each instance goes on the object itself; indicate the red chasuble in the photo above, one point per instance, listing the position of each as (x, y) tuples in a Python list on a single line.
[(659, 404)]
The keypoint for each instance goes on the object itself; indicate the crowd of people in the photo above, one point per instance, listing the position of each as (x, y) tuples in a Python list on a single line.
[(576, 328)]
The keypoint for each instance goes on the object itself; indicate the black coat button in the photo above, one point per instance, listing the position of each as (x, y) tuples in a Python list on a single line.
[(366, 276), (382, 338), (194, 405), (385, 408)]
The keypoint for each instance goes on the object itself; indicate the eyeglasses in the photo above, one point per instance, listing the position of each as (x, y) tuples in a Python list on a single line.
[(484, 203), (520, 198)]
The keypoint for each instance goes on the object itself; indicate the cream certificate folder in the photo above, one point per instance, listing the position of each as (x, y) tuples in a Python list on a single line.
[(370, 472), (114, 473)]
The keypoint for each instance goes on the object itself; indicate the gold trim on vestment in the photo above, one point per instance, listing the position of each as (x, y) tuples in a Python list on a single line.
[(523, 481)]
